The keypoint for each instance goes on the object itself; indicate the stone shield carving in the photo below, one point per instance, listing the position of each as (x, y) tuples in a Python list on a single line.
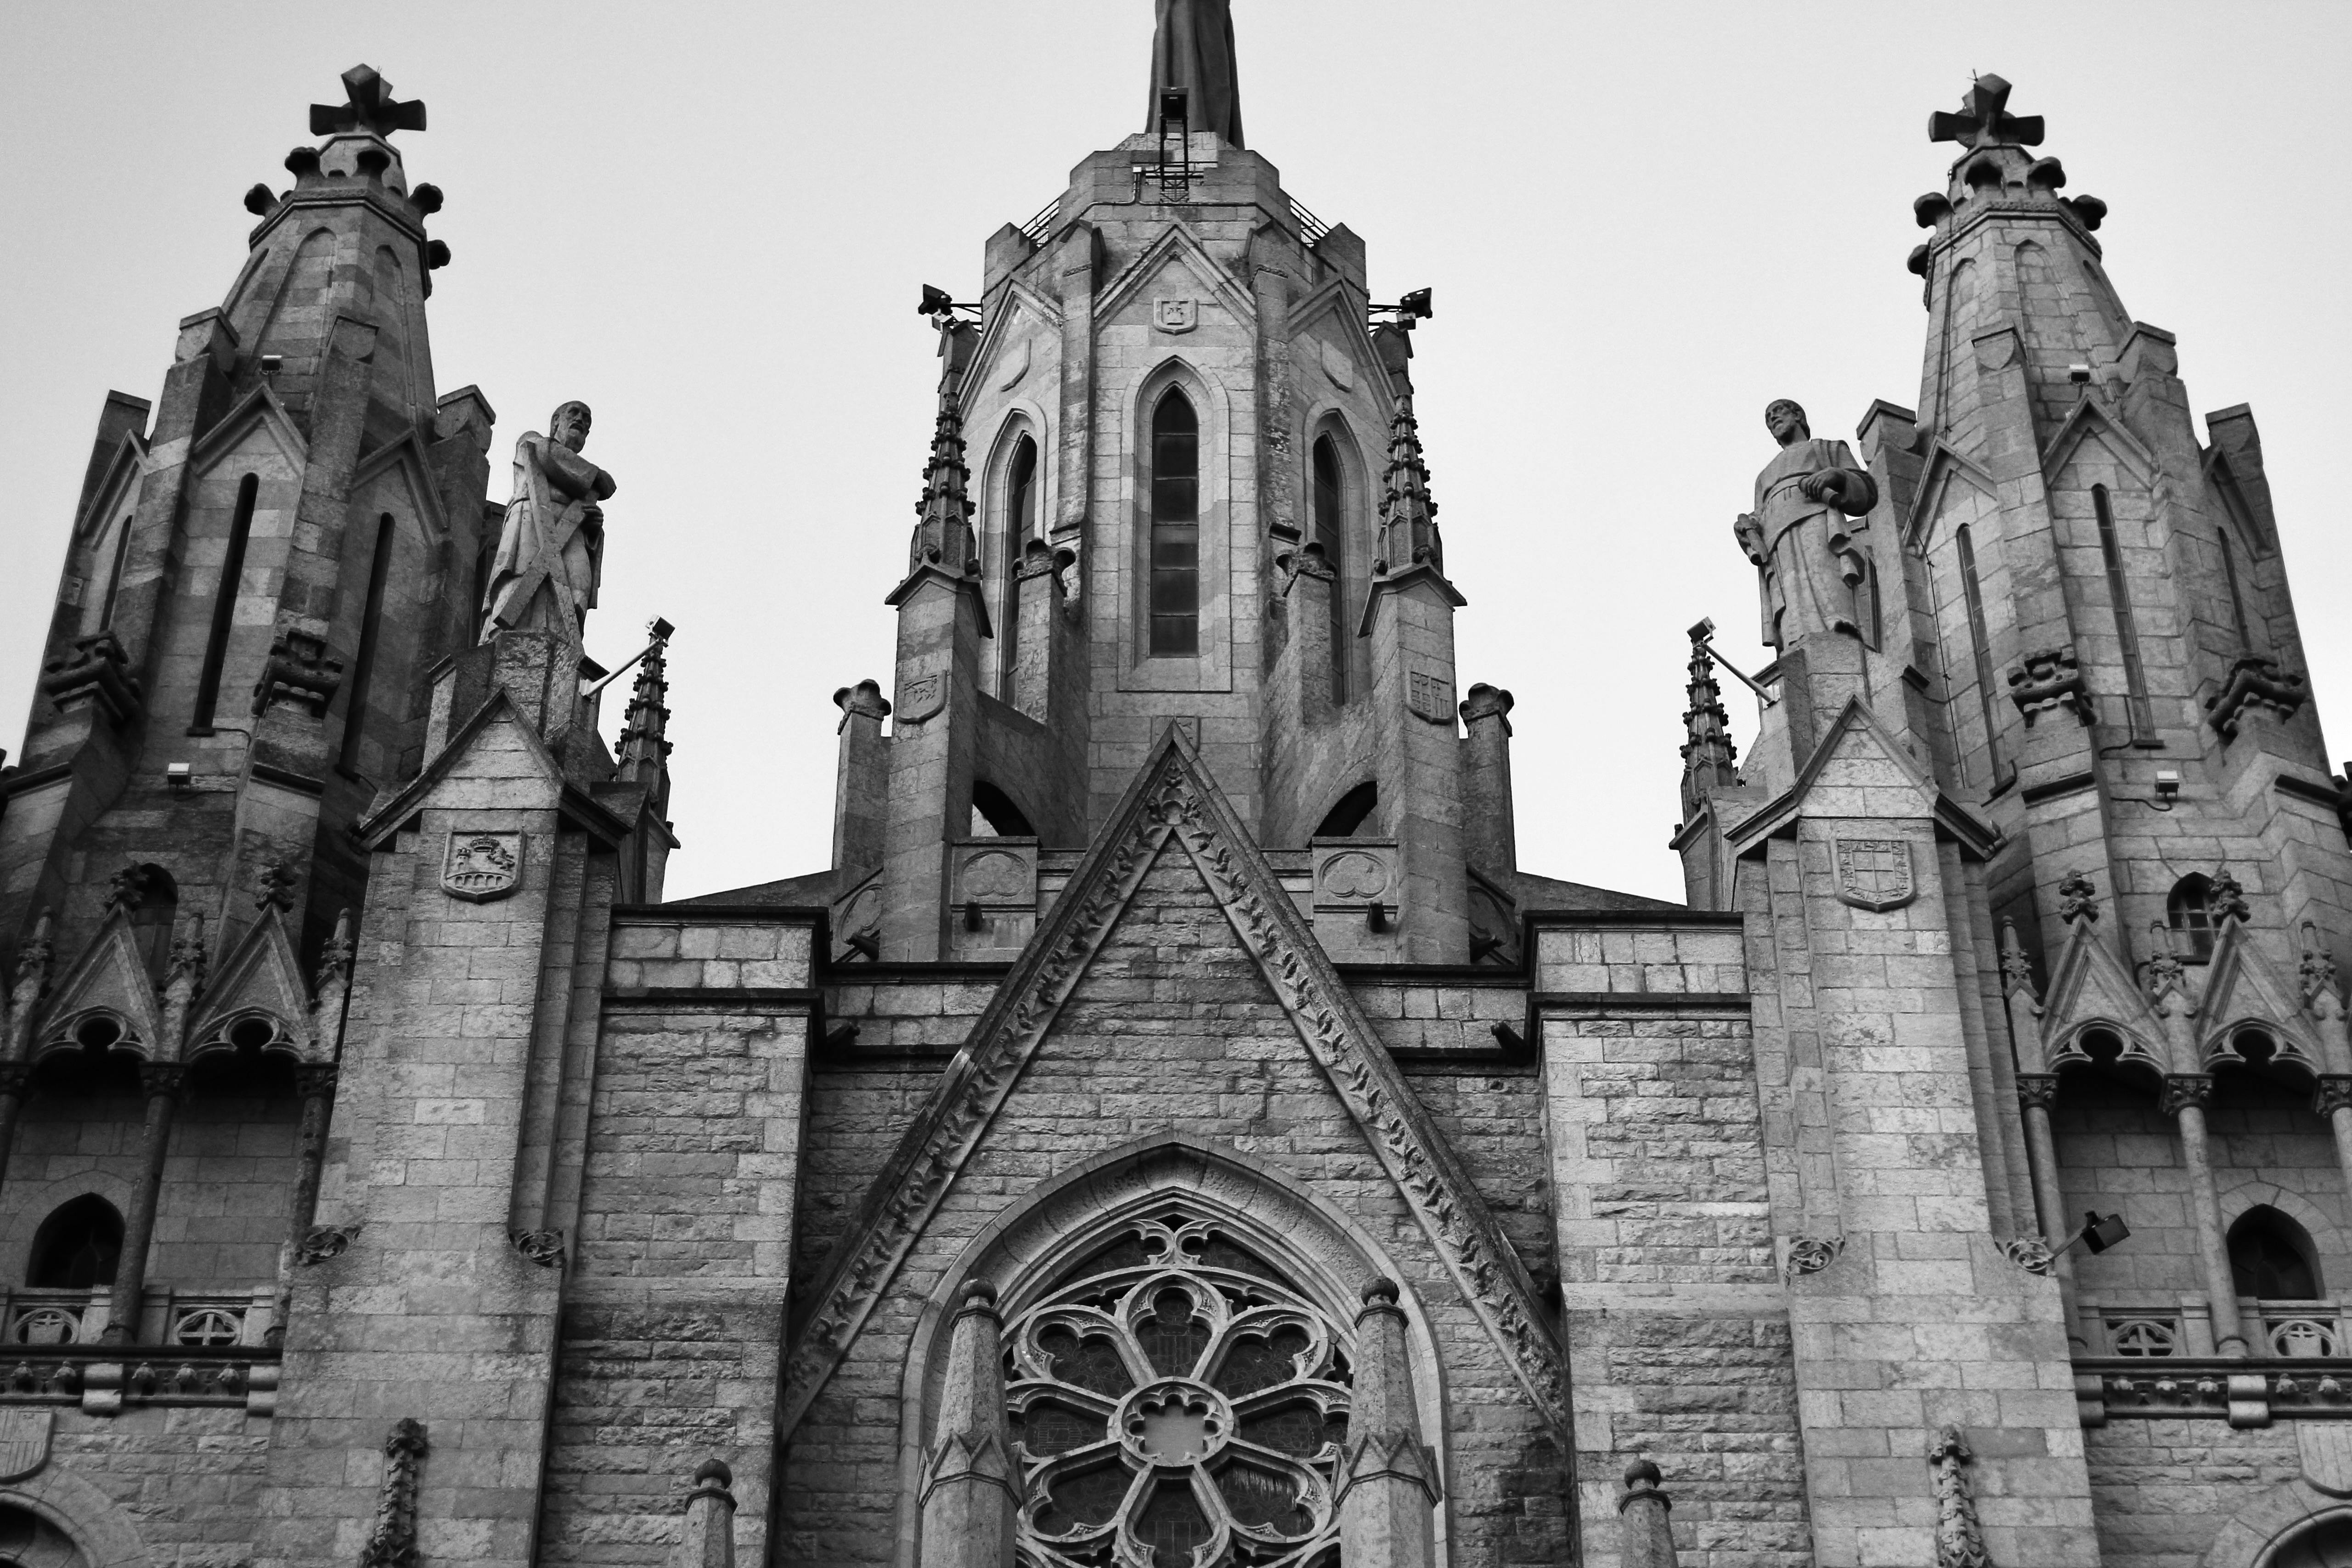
[(1175, 315), (1429, 696), (2326, 1453), (1875, 873), (482, 866), (24, 1442), (922, 696)]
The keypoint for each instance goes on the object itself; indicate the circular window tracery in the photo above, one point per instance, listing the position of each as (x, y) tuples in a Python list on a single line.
[(1177, 1402)]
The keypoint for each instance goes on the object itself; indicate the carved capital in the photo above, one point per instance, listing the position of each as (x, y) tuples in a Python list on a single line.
[(298, 671), (162, 1081), (2037, 1091), (2029, 1253), (2183, 1089), (316, 1080), (2051, 681), (2333, 1094), (2257, 685)]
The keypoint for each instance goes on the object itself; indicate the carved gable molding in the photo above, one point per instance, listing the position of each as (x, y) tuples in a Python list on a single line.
[(1174, 804)]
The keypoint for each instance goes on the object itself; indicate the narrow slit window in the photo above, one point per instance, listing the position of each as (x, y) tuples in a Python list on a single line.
[(1019, 527), (363, 662), (1175, 527), (2237, 596), (1980, 648), (224, 597), (114, 573), (2111, 549), (1331, 533)]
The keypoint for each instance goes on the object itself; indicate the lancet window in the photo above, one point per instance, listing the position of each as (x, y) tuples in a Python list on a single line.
[(231, 572), (1175, 597), (371, 632), (1019, 527), (2271, 1257), (1980, 648), (1176, 1400), (2188, 910), (77, 1246), (2127, 624), (1331, 533)]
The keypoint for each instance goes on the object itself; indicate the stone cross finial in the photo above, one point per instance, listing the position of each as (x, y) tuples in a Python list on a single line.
[(2016, 964), (2078, 899), (1984, 120), (368, 105)]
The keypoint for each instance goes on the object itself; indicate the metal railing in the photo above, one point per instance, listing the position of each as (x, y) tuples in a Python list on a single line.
[(1310, 228), (1038, 227)]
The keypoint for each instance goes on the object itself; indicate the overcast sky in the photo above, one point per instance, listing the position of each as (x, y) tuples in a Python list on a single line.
[(1641, 222)]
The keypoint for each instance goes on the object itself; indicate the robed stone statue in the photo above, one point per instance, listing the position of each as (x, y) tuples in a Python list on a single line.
[(1812, 572), (1194, 49), (551, 550)]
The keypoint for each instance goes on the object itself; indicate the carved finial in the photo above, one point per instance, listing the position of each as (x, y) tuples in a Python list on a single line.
[(2016, 964), (1709, 758), (368, 105), (33, 961), (2318, 974), (1984, 120), (2078, 899), (1960, 1543), (126, 889), (2226, 898), (1409, 533), (186, 963), (2166, 975), (273, 888), (862, 701), (335, 958), (392, 1543)]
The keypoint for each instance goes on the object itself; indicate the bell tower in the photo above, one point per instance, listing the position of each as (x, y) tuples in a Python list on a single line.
[(265, 562), (1175, 479)]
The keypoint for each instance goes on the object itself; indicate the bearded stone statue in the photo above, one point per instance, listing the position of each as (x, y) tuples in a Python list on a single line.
[(551, 550), (1808, 564)]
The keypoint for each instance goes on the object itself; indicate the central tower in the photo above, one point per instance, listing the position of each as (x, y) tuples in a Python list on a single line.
[(1175, 480)]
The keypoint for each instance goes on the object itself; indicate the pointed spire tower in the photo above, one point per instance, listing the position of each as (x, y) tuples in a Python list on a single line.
[(260, 573)]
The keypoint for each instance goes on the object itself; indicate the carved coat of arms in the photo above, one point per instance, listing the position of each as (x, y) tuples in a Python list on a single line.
[(1429, 696), (922, 696), (1175, 315), (1875, 873), (482, 866), (24, 1442)]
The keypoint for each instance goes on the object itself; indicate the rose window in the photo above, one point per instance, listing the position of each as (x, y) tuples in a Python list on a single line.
[(1177, 1404)]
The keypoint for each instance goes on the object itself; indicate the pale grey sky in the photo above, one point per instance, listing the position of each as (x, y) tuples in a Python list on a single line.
[(1642, 222)]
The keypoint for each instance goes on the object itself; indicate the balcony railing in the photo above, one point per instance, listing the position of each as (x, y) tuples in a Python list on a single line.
[(2284, 1331), (193, 1348)]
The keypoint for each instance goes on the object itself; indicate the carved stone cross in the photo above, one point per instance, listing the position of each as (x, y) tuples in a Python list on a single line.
[(1984, 120), (371, 106)]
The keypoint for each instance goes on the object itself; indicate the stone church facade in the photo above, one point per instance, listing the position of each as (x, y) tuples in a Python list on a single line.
[(1174, 1130)]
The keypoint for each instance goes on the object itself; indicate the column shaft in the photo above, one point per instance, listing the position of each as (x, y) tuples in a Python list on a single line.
[(2035, 1094), (162, 1081), (2188, 1099)]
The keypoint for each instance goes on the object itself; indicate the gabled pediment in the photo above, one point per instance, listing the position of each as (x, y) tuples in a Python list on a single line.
[(257, 410), (2224, 479), (1335, 303), (1177, 248), (2090, 989), (1174, 817), (499, 728), (1858, 769), (109, 978), (1021, 311), (118, 485), (2090, 421), (2242, 988), (1946, 466), (400, 461), (258, 978)]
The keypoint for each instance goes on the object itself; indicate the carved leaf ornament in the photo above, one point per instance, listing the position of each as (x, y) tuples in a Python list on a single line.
[(1174, 1394), (1171, 806)]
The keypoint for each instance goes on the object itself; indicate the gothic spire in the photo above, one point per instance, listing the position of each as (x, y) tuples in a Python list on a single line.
[(1192, 52), (943, 536), (1408, 517), (643, 748), (1708, 755)]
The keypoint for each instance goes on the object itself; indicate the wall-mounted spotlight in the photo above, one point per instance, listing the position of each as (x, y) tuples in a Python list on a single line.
[(943, 306), (2099, 1232), (1413, 307)]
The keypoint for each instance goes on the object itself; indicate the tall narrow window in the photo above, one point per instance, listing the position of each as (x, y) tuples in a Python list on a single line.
[(1979, 648), (231, 572), (1019, 527), (2126, 628), (363, 663), (1175, 527), (2188, 910), (114, 573), (1331, 533), (1865, 604), (2237, 596)]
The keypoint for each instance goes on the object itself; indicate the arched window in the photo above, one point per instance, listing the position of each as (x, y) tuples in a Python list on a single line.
[(363, 662), (28, 1541), (232, 574), (993, 814), (1173, 1389), (77, 1246), (1331, 533), (1175, 527), (2111, 551), (1350, 812), (2188, 910), (2271, 1257), (1020, 528), (2323, 1542)]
